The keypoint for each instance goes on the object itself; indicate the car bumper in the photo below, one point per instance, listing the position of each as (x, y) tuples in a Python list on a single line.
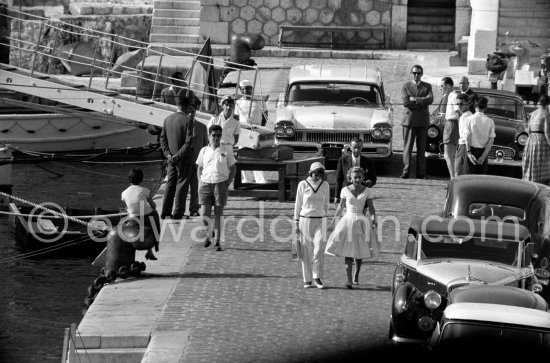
[(333, 151), (493, 162)]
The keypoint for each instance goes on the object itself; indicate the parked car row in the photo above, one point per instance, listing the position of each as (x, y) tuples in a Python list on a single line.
[(477, 273)]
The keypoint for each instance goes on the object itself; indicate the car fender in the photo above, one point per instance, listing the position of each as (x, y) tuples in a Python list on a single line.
[(404, 317)]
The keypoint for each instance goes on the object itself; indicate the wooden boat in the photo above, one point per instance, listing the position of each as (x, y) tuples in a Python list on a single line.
[(38, 125), (49, 234)]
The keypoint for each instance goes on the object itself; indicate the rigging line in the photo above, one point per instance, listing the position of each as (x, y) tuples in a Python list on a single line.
[(48, 170), (96, 216), (46, 250), (96, 172), (83, 346)]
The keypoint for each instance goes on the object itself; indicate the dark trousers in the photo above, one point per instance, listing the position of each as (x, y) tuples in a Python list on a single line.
[(194, 185), (470, 168), (410, 135), (179, 176)]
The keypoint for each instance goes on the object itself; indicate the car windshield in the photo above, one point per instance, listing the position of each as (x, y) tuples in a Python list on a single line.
[(505, 107), (484, 249), (505, 213), (332, 93)]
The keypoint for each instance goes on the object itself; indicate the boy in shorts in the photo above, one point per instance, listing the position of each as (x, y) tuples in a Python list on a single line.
[(216, 169)]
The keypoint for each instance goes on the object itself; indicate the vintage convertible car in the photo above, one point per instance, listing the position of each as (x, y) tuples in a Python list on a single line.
[(508, 112), (447, 254), (503, 198), (493, 318), (331, 105)]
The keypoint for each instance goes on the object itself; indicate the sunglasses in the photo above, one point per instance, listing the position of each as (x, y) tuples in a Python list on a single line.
[(216, 135), (416, 73)]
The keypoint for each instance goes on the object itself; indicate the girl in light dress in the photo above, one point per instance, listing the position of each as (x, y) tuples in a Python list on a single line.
[(354, 236)]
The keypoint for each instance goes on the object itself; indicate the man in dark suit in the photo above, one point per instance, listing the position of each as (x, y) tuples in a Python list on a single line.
[(176, 140), (465, 89), (346, 162), (417, 96), (200, 140)]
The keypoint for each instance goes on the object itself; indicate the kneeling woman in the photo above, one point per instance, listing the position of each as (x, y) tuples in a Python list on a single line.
[(354, 237), (310, 212)]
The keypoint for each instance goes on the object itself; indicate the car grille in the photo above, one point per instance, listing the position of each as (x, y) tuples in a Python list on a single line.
[(509, 152), (455, 286), (339, 137)]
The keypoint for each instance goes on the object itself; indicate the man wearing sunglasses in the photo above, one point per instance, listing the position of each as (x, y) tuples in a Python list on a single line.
[(216, 169), (417, 96)]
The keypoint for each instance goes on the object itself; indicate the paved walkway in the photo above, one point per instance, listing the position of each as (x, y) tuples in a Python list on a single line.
[(246, 303)]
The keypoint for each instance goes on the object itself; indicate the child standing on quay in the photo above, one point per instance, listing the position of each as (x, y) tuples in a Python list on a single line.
[(140, 204), (354, 237)]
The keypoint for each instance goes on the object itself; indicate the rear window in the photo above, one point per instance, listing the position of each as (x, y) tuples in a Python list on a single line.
[(505, 213), (484, 249)]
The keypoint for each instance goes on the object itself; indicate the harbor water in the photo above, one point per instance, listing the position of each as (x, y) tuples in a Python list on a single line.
[(42, 295)]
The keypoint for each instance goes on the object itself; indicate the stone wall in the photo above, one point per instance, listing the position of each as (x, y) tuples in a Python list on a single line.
[(132, 24), (221, 19)]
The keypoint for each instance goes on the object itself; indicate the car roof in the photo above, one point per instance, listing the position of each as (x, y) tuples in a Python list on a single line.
[(462, 227), (496, 92), (334, 72), (493, 189)]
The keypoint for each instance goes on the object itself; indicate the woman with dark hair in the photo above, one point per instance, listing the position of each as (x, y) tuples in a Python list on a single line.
[(536, 158)]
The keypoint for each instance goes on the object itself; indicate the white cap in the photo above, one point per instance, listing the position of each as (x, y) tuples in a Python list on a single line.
[(245, 83), (316, 165), (227, 98)]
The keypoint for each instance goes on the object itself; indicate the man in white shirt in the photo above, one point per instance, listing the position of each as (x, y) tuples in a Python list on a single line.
[(216, 170), (450, 131), (480, 135), (463, 102), (231, 127), (253, 112)]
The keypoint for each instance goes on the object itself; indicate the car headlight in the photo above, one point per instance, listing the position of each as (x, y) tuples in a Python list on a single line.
[(521, 139), (279, 130), (387, 133), (289, 131), (377, 133), (433, 132), (432, 300)]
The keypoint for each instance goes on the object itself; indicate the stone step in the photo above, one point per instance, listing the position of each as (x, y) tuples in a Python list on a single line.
[(535, 26), (180, 30), (433, 11), (523, 4), (430, 28), (158, 21), (430, 45), (110, 355), (91, 8), (430, 20), (178, 14), (175, 5), (430, 37), (431, 4), (173, 38)]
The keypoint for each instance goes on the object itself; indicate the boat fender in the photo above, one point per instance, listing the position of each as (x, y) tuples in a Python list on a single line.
[(99, 282), (142, 265), (135, 268), (111, 276), (92, 291), (88, 301)]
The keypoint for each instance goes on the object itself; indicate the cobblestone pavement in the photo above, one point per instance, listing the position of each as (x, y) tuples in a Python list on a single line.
[(247, 304)]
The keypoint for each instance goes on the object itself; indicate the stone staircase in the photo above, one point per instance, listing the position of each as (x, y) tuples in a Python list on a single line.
[(430, 24), (175, 22)]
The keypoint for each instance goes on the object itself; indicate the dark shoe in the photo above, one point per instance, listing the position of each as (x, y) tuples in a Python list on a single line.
[(177, 217), (404, 176), (307, 285), (318, 283), (207, 243), (149, 256), (164, 216), (195, 214), (187, 217), (218, 247), (420, 177), (349, 285)]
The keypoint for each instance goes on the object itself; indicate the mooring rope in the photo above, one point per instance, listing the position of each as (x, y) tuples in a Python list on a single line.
[(56, 213)]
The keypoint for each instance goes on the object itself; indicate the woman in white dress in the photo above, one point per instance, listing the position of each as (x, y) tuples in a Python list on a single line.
[(354, 237), (310, 212)]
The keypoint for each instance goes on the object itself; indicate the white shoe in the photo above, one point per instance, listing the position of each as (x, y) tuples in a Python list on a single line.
[(318, 283), (307, 285)]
